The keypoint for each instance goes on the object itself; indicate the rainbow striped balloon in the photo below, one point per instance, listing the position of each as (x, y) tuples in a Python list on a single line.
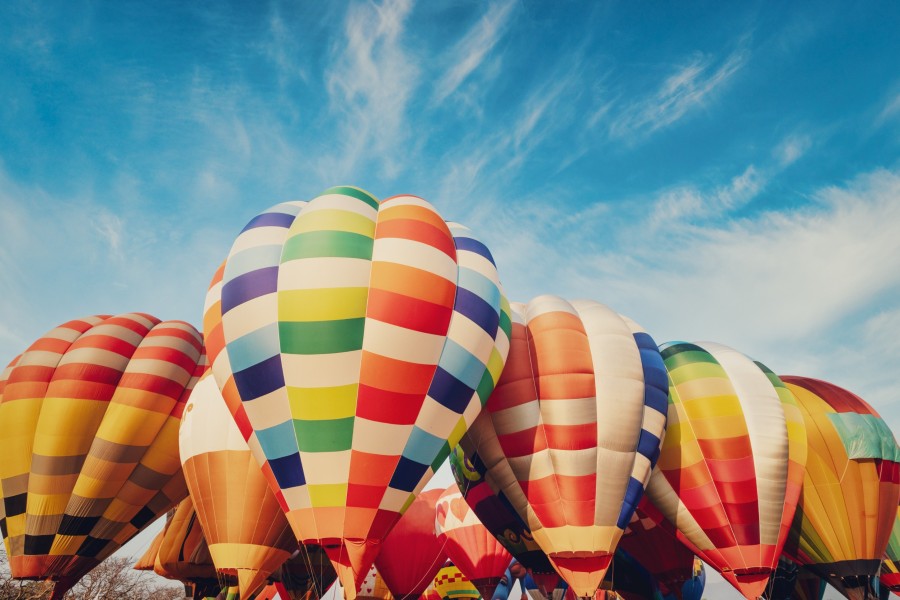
[(732, 462), (354, 342)]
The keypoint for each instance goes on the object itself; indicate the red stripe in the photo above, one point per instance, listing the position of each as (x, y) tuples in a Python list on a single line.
[(408, 312), (388, 407), (105, 342), (418, 231), (571, 437), (523, 443)]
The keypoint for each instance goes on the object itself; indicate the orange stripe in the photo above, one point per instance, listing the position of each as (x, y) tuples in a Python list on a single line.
[(412, 282)]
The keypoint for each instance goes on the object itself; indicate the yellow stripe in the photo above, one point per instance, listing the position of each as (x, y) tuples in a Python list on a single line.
[(323, 403), (325, 304), (697, 370), (159, 456), (129, 425), (333, 220), (712, 407), (330, 494)]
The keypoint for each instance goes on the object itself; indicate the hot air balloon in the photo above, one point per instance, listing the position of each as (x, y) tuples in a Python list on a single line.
[(849, 501), (468, 543), (244, 525), (731, 466), (354, 341), (890, 567), (572, 431), (182, 554), (411, 554), (629, 579), (496, 512), (669, 561), (89, 440), (451, 584)]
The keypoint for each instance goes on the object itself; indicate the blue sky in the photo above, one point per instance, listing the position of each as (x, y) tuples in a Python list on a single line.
[(716, 171)]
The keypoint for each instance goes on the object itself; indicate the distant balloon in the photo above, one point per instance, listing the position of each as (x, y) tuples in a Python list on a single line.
[(89, 440), (670, 562), (849, 503), (468, 543), (732, 462), (245, 527), (411, 555), (451, 584), (571, 433), (354, 341)]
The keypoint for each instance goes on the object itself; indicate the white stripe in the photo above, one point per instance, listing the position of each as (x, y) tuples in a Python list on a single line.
[(415, 254), (400, 343), (323, 273), (321, 370)]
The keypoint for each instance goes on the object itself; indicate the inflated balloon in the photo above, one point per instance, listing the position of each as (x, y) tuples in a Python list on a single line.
[(451, 584), (89, 440), (183, 554), (355, 341), (849, 502), (497, 514), (573, 429), (669, 561), (244, 525), (468, 543), (692, 589), (732, 463), (411, 555), (890, 566)]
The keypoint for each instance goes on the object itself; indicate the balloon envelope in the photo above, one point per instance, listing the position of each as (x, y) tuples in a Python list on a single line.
[(411, 554), (452, 584), (355, 341), (245, 528), (468, 543), (850, 492), (572, 430), (89, 440), (890, 568), (732, 462)]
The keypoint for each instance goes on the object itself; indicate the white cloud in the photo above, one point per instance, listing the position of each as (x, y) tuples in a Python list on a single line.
[(470, 52), (687, 89), (370, 84), (891, 110), (791, 149)]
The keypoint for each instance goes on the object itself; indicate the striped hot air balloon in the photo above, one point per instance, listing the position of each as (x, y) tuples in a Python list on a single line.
[(354, 341), (468, 543), (89, 440), (849, 502), (732, 463), (244, 525), (571, 433)]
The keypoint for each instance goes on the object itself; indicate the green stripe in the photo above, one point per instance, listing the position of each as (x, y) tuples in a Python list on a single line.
[(865, 436), (332, 435), (316, 244), (485, 387), (321, 337), (353, 192), (505, 323)]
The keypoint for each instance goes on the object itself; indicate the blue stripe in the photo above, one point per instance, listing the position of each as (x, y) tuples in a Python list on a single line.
[(253, 259), (449, 391), (278, 441), (633, 494), (288, 471), (254, 347), (249, 286), (260, 379), (421, 446), (480, 285), (468, 244), (477, 310), (460, 363), (274, 217)]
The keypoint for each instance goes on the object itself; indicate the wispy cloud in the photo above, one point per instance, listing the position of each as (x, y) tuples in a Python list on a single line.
[(690, 87), (370, 83), (689, 203), (470, 51), (792, 148), (890, 111)]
